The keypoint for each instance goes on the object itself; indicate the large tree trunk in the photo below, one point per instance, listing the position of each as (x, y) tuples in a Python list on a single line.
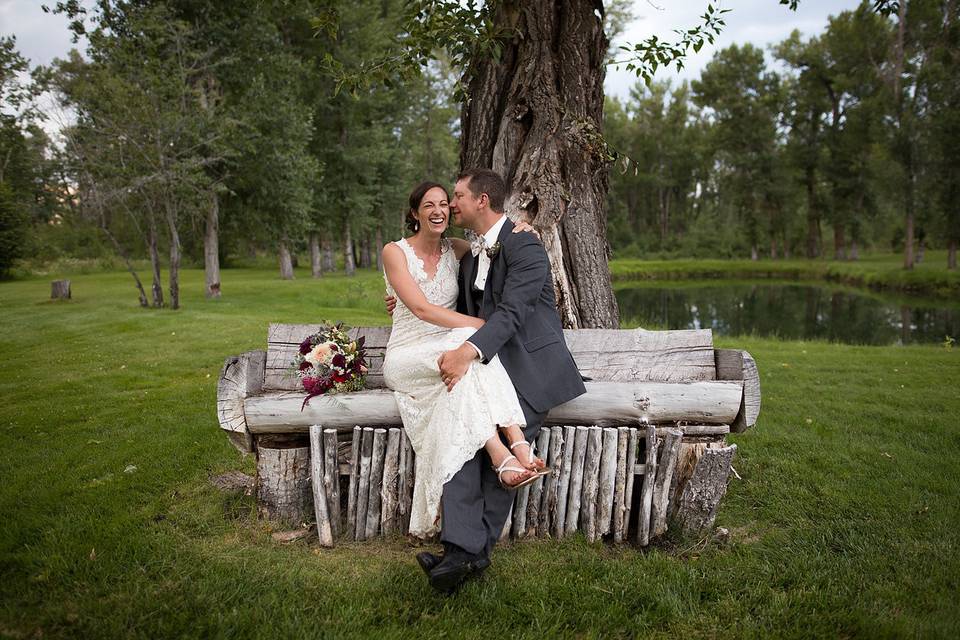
[(316, 268), (174, 256), (534, 117), (211, 249), (286, 261), (349, 267), (156, 289)]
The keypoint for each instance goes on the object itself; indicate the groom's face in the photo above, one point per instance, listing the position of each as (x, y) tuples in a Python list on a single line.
[(465, 207)]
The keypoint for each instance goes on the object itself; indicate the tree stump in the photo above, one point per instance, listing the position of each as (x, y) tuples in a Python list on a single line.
[(701, 496), (283, 484), (60, 290)]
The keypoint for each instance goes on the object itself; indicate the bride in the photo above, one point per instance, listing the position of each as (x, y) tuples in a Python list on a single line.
[(446, 428)]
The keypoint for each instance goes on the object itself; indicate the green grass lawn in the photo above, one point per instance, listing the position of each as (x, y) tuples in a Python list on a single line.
[(880, 272), (844, 522)]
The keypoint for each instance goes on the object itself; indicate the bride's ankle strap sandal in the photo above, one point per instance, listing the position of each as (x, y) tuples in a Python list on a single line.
[(530, 456), (513, 487)]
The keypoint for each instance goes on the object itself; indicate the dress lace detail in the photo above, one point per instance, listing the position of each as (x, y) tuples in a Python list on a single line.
[(446, 429)]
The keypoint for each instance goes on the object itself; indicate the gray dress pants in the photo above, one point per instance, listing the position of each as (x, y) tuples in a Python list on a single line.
[(474, 505)]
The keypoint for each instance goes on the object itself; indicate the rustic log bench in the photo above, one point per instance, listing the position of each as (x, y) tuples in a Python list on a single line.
[(643, 448)]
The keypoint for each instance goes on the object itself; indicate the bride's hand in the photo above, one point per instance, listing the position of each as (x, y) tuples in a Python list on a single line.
[(522, 227), (391, 304)]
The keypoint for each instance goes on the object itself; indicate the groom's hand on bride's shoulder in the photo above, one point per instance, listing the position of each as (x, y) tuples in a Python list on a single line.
[(391, 303)]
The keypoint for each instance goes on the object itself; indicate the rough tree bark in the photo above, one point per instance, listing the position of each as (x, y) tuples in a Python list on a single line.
[(211, 249), (326, 249), (535, 117)]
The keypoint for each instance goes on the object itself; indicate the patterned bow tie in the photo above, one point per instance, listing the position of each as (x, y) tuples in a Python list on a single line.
[(478, 244)]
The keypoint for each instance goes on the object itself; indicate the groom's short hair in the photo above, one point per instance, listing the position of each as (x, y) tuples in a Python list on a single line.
[(489, 182)]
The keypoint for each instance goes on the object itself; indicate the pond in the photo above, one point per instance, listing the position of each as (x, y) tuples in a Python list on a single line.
[(791, 311)]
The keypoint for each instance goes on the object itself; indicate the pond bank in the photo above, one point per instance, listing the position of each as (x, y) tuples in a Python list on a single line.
[(878, 273)]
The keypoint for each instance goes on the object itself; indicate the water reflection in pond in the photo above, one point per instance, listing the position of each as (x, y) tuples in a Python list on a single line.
[(790, 311)]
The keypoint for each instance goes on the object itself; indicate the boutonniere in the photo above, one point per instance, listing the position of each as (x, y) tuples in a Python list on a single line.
[(494, 250)]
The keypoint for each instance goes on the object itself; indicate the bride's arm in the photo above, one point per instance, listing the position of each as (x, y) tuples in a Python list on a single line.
[(395, 266)]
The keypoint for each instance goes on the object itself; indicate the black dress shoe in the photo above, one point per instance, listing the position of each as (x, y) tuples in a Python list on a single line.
[(428, 561), (455, 568)]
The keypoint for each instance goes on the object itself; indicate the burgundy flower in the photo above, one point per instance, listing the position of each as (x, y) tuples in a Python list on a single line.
[(339, 361), (309, 384), (341, 377), (305, 347), (305, 365)]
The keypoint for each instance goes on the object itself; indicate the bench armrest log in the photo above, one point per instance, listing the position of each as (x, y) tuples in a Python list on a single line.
[(734, 364), (241, 377), (604, 404)]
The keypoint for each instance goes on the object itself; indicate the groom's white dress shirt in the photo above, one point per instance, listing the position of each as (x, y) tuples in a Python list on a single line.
[(483, 264)]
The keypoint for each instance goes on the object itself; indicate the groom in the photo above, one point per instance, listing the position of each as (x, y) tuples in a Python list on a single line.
[(506, 281)]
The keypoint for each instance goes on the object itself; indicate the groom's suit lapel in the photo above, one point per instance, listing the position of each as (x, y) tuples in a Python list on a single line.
[(468, 272)]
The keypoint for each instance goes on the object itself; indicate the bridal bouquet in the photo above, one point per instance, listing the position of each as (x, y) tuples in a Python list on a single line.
[(330, 362)]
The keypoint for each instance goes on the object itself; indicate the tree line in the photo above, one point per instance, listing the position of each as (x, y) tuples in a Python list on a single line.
[(211, 129), (830, 143), (204, 130)]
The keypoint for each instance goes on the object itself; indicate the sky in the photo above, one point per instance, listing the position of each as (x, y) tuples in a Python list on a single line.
[(41, 37)]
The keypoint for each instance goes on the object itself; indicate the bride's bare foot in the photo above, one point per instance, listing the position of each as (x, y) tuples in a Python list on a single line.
[(522, 449)]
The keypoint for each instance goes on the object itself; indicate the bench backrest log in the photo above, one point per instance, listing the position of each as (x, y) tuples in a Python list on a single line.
[(612, 355)]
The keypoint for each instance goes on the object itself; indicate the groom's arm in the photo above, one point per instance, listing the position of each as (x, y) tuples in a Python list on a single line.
[(527, 269)]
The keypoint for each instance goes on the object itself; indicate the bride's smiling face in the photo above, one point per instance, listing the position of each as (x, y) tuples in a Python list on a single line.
[(434, 212)]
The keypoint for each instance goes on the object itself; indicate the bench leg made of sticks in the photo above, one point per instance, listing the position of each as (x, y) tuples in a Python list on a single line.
[(622, 484)]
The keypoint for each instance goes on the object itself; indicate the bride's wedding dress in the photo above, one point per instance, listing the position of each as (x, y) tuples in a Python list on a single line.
[(445, 428)]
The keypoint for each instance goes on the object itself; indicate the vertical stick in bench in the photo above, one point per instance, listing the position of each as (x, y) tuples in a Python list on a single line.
[(554, 458), (363, 486), (376, 482), (536, 489), (563, 484), (669, 451), (318, 480), (518, 528), (354, 483), (608, 479), (591, 484), (620, 485), (331, 479), (406, 480), (633, 442), (576, 480), (391, 465), (646, 494)]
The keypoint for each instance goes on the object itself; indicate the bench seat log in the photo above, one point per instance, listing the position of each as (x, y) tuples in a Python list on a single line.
[(606, 404)]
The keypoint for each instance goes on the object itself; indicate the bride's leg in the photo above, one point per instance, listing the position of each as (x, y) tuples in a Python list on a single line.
[(521, 448), (498, 452)]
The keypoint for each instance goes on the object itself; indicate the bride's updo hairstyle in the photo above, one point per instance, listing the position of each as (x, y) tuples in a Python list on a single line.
[(416, 197)]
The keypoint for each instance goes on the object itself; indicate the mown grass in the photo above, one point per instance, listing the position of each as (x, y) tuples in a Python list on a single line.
[(879, 272), (844, 522)]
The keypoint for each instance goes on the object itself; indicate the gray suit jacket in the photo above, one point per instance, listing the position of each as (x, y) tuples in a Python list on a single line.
[(522, 323)]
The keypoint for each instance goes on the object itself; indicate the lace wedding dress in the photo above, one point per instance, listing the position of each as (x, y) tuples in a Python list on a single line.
[(445, 428)]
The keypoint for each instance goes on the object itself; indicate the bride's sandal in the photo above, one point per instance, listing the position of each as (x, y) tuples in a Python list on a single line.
[(532, 460), (503, 468)]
